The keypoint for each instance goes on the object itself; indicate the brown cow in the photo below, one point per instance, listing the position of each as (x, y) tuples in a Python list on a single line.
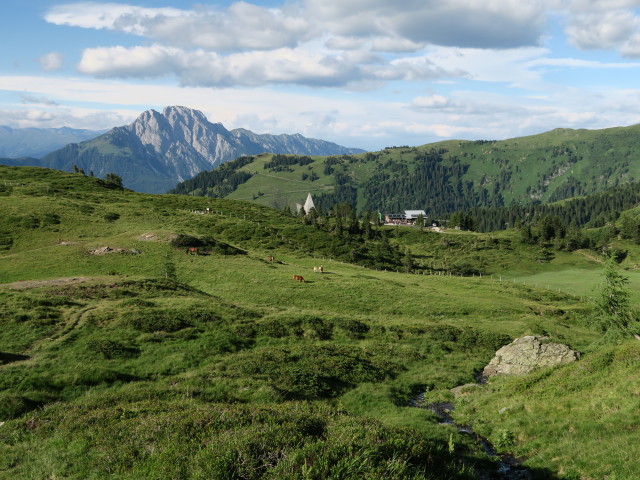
[(300, 278), (270, 258), (193, 251)]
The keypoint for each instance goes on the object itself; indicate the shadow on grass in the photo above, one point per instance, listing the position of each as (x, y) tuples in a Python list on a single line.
[(11, 357)]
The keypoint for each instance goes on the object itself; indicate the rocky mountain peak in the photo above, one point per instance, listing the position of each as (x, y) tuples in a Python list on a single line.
[(177, 143), (179, 114)]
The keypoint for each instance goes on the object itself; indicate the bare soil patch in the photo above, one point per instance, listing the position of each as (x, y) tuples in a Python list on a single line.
[(25, 284)]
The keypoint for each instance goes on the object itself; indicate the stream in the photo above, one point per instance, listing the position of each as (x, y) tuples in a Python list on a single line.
[(507, 466)]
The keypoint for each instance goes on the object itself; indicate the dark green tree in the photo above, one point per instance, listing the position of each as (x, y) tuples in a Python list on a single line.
[(573, 237), (113, 179), (367, 233), (407, 261), (615, 317)]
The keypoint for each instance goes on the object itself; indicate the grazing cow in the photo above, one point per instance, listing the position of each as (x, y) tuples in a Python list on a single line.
[(270, 258), (318, 269), (300, 278), (193, 251)]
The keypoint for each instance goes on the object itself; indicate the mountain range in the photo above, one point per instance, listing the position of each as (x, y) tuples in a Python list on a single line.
[(37, 142), (158, 150)]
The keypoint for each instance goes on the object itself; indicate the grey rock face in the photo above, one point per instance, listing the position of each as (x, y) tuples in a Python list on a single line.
[(159, 150), (526, 354)]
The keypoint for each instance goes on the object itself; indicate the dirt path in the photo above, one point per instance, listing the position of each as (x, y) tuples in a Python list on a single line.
[(54, 282), (589, 255)]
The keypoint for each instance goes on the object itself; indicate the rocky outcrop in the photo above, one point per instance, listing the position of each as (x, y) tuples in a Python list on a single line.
[(161, 149), (526, 354)]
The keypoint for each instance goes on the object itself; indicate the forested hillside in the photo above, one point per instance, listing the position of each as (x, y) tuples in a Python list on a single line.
[(589, 211), (444, 177)]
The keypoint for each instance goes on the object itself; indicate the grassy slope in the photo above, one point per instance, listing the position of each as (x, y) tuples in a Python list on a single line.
[(536, 165), (501, 255), (241, 341), (580, 420)]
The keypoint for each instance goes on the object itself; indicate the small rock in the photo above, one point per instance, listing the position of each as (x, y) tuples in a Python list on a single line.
[(463, 390)]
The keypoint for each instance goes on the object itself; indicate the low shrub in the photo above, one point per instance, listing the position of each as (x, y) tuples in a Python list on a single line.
[(272, 328), (150, 320), (226, 341), (111, 349), (314, 371), (354, 329), (321, 329), (111, 216)]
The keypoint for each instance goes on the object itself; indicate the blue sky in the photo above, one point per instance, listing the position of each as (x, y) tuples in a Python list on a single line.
[(362, 73)]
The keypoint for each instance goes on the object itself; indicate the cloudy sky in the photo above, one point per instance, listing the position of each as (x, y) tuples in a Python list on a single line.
[(362, 73)]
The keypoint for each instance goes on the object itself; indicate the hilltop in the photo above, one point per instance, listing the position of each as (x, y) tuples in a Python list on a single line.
[(440, 178), (139, 360)]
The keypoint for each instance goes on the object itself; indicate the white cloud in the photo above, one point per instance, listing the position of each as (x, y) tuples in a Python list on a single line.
[(111, 16), (281, 66), (51, 61), (601, 30), (464, 23), (241, 26), (309, 42), (604, 25), (129, 62), (396, 27)]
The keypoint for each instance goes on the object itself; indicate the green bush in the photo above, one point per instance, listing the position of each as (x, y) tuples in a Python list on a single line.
[(322, 329), (150, 320), (226, 341), (111, 349), (314, 371), (354, 329), (245, 329), (272, 328), (50, 219), (111, 216)]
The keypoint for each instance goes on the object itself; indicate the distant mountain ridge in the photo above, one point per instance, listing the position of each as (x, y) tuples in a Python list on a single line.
[(36, 142), (159, 150)]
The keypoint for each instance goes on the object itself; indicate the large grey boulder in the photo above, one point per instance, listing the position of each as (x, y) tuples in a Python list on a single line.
[(526, 354)]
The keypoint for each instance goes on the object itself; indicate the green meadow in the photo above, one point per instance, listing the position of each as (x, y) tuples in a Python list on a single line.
[(144, 361)]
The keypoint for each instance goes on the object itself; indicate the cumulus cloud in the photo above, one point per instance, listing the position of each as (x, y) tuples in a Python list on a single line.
[(604, 25), (396, 26), (312, 42), (239, 27), (463, 23), (111, 16), (281, 66), (51, 61), (601, 29)]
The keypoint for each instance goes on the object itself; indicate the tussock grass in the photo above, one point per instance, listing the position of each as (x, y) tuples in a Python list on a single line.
[(161, 364)]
